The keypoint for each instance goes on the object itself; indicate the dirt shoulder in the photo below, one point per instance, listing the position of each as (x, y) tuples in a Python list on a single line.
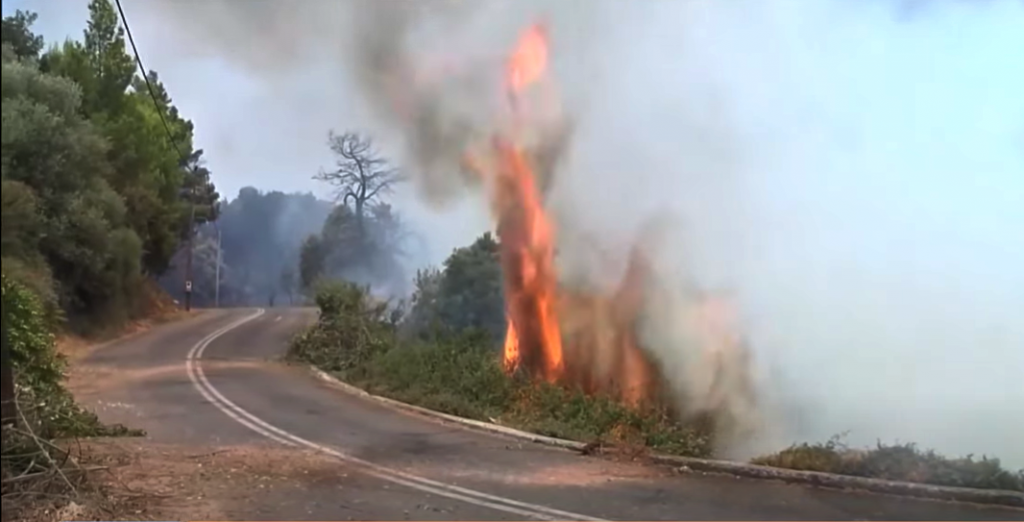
[(138, 479), (75, 348), (144, 480)]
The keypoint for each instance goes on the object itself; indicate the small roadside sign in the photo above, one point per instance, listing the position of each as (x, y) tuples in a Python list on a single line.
[(188, 286)]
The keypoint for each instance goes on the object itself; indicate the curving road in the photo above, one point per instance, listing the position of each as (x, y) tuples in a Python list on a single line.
[(214, 379)]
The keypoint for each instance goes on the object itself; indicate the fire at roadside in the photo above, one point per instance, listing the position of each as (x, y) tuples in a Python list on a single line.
[(580, 338)]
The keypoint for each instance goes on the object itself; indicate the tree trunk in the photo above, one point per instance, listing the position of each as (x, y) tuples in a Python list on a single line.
[(359, 221), (7, 396)]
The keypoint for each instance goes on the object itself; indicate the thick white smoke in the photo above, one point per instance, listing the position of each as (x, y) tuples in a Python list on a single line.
[(853, 174)]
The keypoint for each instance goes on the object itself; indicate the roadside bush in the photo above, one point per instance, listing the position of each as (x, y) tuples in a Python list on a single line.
[(49, 408), (572, 414), (903, 462), (351, 330), (460, 373), (34, 464)]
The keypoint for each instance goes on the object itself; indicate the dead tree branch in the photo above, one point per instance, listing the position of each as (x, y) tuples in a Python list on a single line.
[(361, 174)]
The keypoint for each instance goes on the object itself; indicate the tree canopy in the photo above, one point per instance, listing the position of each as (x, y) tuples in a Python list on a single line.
[(466, 294), (97, 191)]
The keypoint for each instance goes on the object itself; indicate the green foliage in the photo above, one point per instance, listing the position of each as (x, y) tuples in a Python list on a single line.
[(94, 192), (39, 369), (456, 374), (20, 226), (903, 462), (466, 294), (352, 330), (17, 34), (60, 206), (424, 316), (160, 178), (112, 67), (35, 276), (460, 373)]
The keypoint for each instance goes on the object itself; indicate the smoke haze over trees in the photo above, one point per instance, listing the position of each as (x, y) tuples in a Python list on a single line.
[(276, 246), (261, 234), (861, 214), (364, 239)]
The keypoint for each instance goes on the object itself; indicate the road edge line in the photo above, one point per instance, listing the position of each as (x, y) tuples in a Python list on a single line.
[(199, 380), (996, 497)]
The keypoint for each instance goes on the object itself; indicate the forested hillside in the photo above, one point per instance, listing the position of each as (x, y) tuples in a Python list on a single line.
[(259, 235)]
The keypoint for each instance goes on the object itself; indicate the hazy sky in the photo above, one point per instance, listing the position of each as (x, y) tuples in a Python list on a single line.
[(271, 136), (853, 170)]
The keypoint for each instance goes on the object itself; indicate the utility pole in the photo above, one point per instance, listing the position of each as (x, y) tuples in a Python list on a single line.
[(216, 287), (188, 259)]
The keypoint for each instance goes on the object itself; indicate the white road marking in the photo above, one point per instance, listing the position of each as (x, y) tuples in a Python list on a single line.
[(278, 319), (254, 423)]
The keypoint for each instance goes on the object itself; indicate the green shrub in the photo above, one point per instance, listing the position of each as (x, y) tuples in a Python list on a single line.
[(466, 295), (39, 369), (352, 328), (459, 372), (903, 462)]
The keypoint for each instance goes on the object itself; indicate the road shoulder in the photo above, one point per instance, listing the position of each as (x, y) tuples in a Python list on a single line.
[(696, 465)]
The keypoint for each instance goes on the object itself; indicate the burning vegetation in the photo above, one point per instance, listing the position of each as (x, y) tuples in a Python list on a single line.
[(603, 340), (495, 124), (561, 336)]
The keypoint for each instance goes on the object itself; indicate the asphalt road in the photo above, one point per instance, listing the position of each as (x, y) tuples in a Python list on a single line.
[(395, 465)]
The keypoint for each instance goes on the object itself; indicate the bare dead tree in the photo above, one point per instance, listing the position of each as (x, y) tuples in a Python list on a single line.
[(361, 174)]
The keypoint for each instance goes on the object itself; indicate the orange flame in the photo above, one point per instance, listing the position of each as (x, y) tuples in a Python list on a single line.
[(579, 338), (527, 235), (511, 354), (602, 340), (529, 60)]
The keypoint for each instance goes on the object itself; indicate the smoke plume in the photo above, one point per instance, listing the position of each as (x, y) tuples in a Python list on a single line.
[(848, 174)]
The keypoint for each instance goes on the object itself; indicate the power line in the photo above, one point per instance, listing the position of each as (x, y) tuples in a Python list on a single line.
[(174, 143), (145, 77)]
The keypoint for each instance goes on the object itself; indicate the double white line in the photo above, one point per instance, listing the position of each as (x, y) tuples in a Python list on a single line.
[(243, 417)]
